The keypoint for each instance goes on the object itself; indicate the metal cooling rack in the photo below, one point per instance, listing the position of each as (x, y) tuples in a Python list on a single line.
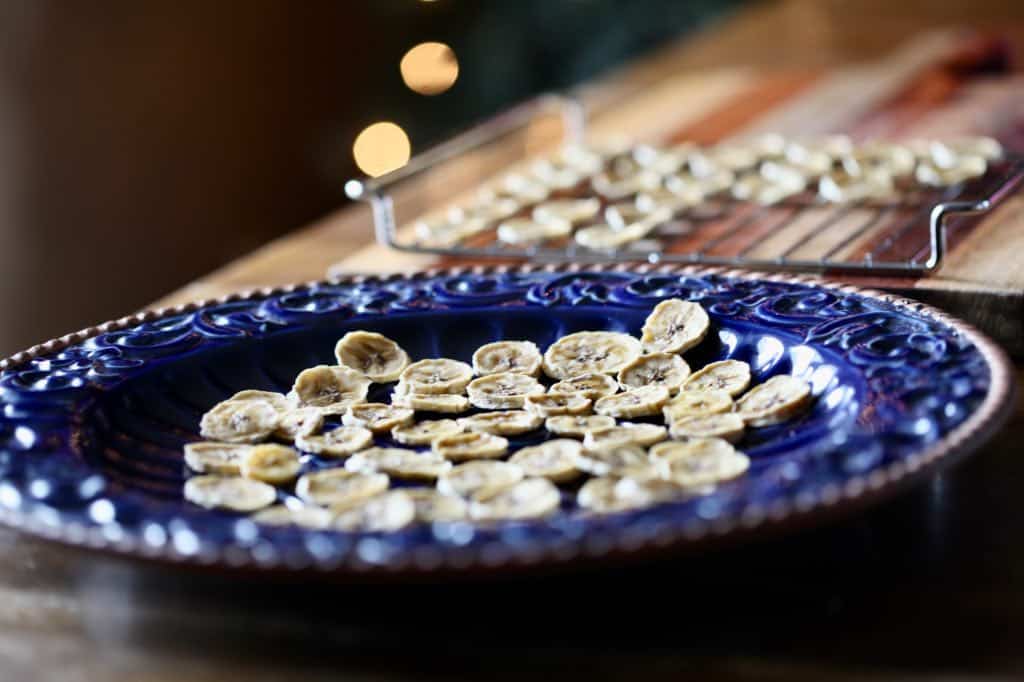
[(802, 233)]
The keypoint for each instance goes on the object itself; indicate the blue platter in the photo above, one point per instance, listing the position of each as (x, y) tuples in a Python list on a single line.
[(93, 423)]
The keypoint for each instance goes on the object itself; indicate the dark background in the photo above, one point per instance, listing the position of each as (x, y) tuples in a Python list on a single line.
[(143, 144)]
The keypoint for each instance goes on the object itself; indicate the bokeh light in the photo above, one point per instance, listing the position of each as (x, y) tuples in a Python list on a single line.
[(381, 148), (430, 68)]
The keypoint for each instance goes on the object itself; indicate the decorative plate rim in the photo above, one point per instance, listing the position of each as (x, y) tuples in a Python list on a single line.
[(786, 513)]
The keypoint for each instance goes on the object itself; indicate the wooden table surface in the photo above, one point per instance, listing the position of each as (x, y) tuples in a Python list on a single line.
[(929, 583)]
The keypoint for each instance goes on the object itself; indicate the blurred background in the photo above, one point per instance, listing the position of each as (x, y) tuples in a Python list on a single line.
[(143, 144)]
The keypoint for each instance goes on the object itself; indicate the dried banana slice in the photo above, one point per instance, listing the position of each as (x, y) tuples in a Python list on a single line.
[(780, 398), (572, 211), (299, 421), (384, 513), (655, 369), (503, 390), (637, 402), (229, 492), (432, 505), (472, 445), (437, 375), (507, 423), (619, 187), (964, 169), (619, 461), (425, 432), (552, 404), (554, 460), (578, 426), (700, 461), (399, 463), (697, 404), (648, 491), (522, 357), (626, 433), (314, 518), (246, 421), (591, 386), (445, 403), (730, 376), (215, 458), (332, 389), (278, 400), (271, 463), (530, 498), (674, 326), (374, 355), (555, 176), (603, 237), (524, 231), (599, 495), (377, 417), (337, 487), (470, 478), (339, 442), (727, 426), (590, 353)]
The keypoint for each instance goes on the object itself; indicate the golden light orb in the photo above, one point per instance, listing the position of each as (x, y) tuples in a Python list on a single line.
[(429, 68), (381, 148)]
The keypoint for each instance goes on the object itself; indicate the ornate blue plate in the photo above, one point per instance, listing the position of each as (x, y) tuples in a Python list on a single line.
[(93, 423)]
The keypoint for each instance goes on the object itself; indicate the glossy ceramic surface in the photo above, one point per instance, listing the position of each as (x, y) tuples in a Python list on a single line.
[(93, 423)]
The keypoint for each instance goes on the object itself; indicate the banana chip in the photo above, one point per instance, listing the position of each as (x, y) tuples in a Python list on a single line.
[(216, 458), (271, 463), (299, 421), (438, 375), (464, 480), (377, 417), (697, 404), (727, 426), (777, 400), (337, 487), (578, 426), (731, 376), (626, 433), (504, 390), (552, 404), (655, 369), (245, 421), (278, 400), (530, 498), (638, 402), (571, 211), (425, 432), (374, 355), (507, 423), (383, 513), (592, 386), (618, 461), (339, 442), (472, 445), (523, 231), (229, 492), (399, 463), (554, 460), (445, 403), (674, 326), (522, 357), (332, 389), (432, 505), (700, 461), (590, 353), (313, 518)]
